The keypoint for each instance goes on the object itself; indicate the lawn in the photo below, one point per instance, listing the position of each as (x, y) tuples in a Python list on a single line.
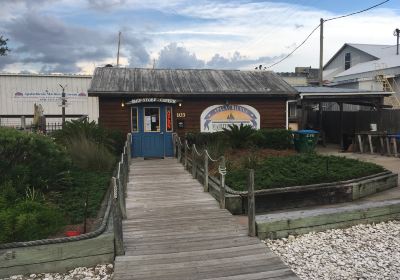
[(295, 170)]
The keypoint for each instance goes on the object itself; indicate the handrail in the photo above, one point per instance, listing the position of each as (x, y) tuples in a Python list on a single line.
[(195, 156)]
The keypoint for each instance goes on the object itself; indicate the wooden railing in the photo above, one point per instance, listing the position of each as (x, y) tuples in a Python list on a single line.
[(119, 183), (198, 162)]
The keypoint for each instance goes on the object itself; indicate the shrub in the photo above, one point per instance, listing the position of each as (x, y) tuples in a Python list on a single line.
[(71, 201), (31, 160), (278, 139), (29, 220), (112, 139), (89, 155), (204, 139), (239, 136), (300, 169)]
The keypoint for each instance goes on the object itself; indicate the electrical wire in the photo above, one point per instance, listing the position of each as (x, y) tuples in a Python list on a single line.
[(309, 35), (295, 49), (359, 12)]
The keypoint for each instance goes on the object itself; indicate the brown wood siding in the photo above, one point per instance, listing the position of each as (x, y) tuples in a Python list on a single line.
[(272, 112), (112, 115)]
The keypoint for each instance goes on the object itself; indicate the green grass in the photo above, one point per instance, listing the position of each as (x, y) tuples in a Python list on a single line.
[(301, 169), (72, 200)]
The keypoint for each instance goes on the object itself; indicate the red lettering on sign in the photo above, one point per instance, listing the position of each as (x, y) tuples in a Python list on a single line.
[(169, 121)]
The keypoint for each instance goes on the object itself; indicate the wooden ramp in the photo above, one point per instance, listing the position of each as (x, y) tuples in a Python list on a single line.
[(176, 231)]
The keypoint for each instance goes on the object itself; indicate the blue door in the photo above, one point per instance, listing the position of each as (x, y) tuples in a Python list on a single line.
[(152, 130)]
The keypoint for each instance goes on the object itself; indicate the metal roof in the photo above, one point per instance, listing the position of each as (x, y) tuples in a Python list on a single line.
[(109, 81), (331, 91)]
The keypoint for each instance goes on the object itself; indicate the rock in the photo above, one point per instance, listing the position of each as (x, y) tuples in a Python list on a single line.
[(359, 252)]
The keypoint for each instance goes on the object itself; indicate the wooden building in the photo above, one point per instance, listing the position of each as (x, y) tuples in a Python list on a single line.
[(154, 103)]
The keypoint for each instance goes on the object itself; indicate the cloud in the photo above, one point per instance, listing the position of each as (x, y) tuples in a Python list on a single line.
[(174, 56), (60, 47), (105, 4)]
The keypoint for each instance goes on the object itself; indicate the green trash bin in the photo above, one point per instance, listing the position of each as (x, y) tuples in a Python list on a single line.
[(305, 140)]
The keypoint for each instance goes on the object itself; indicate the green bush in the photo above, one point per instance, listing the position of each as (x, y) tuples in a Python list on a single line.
[(112, 139), (31, 160), (71, 201), (239, 136), (300, 169), (29, 220), (89, 155), (204, 139), (277, 139)]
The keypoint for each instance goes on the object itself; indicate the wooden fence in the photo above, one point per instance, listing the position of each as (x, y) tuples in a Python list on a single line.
[(354, 122), (198, 163), (89, 249)]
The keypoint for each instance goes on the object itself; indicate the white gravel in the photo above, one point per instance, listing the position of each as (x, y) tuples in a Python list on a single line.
[(99, 272), (359, 252)]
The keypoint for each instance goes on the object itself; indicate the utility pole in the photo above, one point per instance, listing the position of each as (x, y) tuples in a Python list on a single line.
[(396, 33), (63, 102), (321, 51), (119, 44)]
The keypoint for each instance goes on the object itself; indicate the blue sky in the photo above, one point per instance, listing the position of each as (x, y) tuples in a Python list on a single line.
[(74, 36)]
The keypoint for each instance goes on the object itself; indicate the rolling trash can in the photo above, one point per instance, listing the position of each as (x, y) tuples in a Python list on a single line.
[(305, 140)]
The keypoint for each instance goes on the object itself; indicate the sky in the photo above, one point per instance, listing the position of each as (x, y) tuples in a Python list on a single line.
[(75, 36)]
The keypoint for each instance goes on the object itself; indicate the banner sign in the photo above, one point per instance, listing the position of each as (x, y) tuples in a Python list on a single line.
[(47, 96), (217, 117), (152, 100)]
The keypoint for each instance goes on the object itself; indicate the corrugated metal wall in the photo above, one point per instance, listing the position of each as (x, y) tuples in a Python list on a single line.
[(12, 83)]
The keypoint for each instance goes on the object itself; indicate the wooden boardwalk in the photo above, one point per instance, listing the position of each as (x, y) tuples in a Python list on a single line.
[(176, 231)]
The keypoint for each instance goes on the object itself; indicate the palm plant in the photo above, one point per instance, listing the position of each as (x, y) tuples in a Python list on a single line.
[(239, 136)]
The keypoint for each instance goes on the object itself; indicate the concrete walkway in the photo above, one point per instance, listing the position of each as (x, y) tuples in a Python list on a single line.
[(176, 231)]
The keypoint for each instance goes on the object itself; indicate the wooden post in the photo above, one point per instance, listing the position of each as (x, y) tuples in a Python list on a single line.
[(205, 171), (251, 204), (341, 126), (193, 162), (186, 154), (23, 122), (222, 171), (117, 221), (394, 146), (360, 143), (388, 145), (371, 148)]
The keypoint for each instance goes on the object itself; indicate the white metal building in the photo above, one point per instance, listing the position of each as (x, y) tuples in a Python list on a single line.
[(19, 93)]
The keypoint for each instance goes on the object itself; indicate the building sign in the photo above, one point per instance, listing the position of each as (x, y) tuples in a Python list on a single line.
[(217, 117), (48, 96), (152, 100), (169, 118)]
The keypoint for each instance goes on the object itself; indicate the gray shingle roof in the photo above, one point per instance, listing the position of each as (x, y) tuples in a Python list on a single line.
[(108, 81)]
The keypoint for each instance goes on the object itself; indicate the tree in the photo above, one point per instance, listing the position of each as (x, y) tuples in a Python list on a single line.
[(3, 46)]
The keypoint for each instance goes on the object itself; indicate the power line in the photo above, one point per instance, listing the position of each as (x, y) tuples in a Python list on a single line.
[(309, 35), (295, 49), (359, 12)]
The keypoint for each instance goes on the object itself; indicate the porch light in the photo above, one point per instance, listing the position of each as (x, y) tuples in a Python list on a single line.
[(180, 104), (122, 104)]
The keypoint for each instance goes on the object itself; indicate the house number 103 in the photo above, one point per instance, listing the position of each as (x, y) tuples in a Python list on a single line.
[(180, 115)]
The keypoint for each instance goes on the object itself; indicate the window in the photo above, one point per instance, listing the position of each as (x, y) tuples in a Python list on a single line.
[(151, 119), (134, 119), (292, 109), (347, 61), (168, 118)]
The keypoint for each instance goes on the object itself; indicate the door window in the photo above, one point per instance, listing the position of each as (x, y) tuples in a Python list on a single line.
[(168, 119), (151, 119), (134, 119)]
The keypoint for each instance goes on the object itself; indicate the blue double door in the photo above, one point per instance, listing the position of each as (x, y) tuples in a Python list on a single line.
[(152, 128)]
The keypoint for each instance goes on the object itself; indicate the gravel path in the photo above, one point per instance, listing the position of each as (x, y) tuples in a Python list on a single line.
[(359, 252), (99, 272)]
